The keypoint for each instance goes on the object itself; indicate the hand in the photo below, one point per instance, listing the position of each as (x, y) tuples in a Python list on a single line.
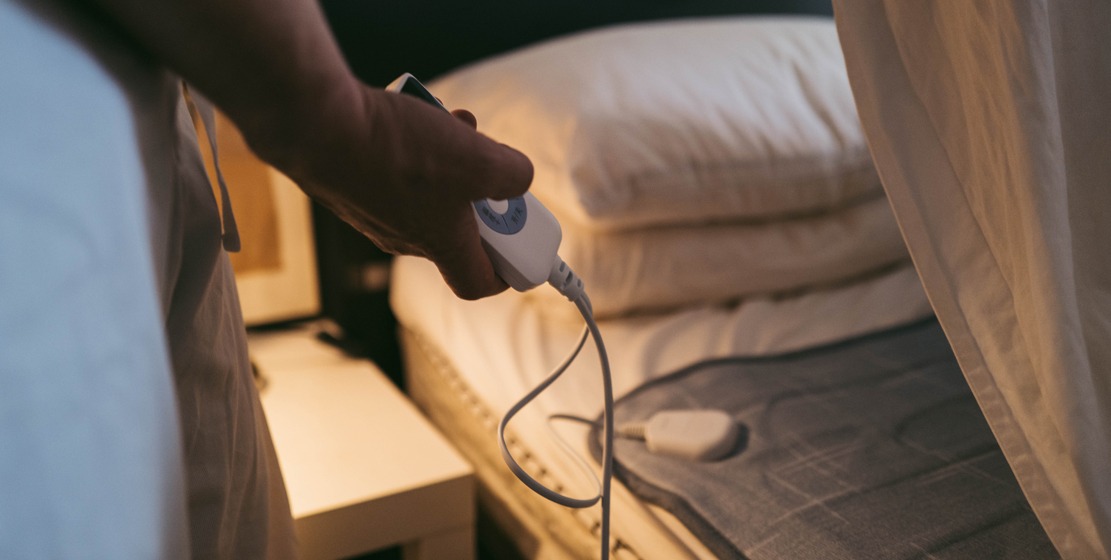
[(398, 170), (404, 174)]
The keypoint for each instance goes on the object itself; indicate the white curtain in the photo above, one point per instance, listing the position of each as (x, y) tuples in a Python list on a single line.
[(990, 124)]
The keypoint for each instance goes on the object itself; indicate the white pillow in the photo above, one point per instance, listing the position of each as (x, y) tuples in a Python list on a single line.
[(677, 122), (653, 269)]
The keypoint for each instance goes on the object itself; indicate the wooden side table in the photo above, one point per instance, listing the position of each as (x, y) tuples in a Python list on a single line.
[(364, 469)]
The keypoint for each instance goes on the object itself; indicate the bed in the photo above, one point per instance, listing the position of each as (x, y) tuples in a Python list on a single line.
[(718, 199)]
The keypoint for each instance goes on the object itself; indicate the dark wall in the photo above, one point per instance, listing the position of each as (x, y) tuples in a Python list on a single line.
[(383, 39)]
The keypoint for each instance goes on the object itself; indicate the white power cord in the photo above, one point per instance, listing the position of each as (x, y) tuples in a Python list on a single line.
[(563, 279), (522, 239)]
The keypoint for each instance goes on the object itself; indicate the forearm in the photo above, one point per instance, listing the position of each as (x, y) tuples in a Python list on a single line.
[(398, 170), (271, 65)]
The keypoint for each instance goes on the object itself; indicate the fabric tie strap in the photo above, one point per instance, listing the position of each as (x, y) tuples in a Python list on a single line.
[(203, 108)]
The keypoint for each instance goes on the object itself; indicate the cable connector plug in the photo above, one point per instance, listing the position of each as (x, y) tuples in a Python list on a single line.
[(697, 435), (565, 281)]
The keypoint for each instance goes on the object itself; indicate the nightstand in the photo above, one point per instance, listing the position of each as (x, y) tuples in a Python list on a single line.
[(363, 467)]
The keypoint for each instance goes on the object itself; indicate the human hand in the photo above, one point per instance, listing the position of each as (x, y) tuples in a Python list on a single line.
[(404, 174), (398, 170)]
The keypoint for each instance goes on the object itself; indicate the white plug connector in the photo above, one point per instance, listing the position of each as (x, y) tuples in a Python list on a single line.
[(697, 435)]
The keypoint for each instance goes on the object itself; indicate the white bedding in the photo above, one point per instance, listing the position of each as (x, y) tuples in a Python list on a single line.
[(669, 267), (503, 346), (691, 161), (678, 121)]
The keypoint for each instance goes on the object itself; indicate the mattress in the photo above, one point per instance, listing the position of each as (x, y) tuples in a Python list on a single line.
[(468, 362)]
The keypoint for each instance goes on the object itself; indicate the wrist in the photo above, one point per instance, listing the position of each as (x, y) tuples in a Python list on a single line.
[(289, 129)]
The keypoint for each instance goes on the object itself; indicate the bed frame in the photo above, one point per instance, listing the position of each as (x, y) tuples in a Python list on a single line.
[(512, 522)]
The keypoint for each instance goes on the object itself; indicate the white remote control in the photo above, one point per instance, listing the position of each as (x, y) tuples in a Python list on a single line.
[(521, 236)]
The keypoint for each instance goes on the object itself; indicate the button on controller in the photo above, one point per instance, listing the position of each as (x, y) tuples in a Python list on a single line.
[(508, 221)]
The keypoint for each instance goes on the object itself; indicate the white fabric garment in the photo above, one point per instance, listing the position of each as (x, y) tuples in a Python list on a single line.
[(990, 124), (90, 451), (116, 298)]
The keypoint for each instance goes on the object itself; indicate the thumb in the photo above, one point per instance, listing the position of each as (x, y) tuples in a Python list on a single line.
[(506, 173), (463, 262)]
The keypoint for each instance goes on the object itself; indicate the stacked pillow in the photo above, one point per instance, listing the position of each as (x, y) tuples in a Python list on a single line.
[(691, 161)]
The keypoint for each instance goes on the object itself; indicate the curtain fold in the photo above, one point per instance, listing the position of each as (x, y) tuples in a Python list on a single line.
[(990, 125)]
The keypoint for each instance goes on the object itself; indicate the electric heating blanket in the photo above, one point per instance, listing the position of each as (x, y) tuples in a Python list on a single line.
[(869, 448)]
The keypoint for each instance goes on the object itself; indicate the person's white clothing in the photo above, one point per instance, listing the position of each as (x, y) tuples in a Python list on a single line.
[(130, 426)]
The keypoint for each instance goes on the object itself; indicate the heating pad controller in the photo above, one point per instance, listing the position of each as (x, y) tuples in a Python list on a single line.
[(520, 235)]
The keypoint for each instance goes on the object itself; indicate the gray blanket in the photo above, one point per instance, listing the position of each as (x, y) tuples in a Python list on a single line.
[(872, 448)]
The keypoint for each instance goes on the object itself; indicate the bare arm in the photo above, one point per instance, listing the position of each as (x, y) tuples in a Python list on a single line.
[(401, 172)]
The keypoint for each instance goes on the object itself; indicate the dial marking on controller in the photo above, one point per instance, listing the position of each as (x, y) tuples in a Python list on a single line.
[(503, 216)]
